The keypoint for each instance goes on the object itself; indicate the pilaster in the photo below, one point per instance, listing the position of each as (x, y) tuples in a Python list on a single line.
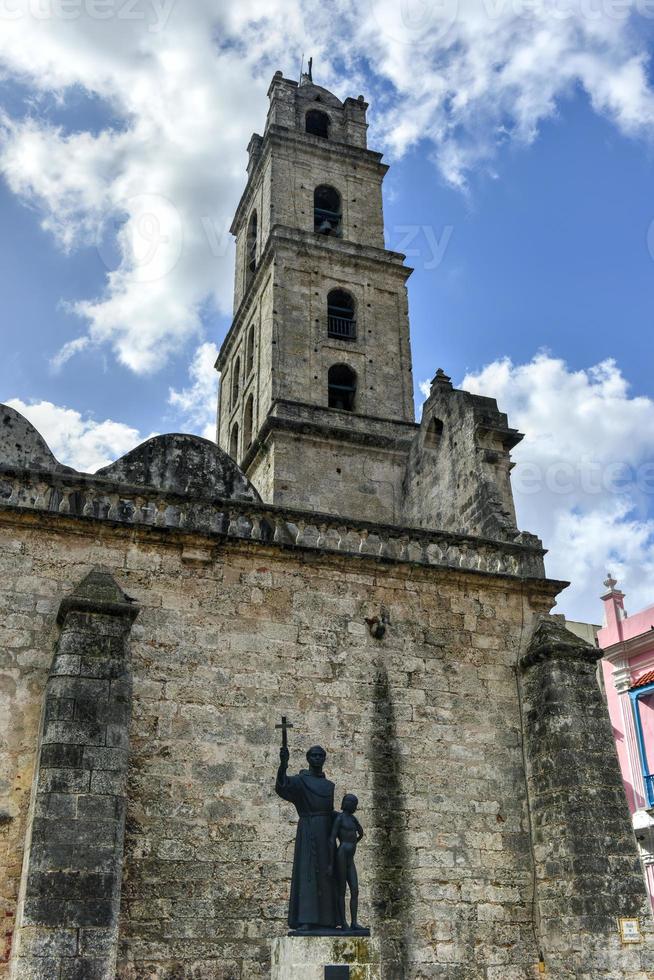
[(70, 890), (587, 870)]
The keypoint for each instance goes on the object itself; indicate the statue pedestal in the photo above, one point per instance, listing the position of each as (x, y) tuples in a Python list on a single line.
[(326, 958)]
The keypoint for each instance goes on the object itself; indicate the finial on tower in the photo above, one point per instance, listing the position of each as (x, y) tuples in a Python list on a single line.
[(441, 379), (610, 582), (307, 76)]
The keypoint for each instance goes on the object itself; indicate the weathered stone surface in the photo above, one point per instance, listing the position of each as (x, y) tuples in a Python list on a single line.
[(220, 650), (278, 349), (182, 464), (587, 868), (92, 497), (274, 417), (300, 958), (21, 445), (73, 871), (458, 471)]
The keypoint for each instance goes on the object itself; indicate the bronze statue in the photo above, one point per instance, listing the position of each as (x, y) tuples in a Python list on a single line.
[(313, 899), (347, 831), (315, 889)]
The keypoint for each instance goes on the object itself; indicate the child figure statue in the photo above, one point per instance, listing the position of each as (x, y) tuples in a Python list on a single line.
[(347, 831)]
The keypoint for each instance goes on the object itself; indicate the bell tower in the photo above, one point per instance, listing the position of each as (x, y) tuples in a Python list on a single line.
[(316, 400)]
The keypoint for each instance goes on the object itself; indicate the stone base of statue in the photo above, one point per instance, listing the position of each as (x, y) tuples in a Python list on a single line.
[(337, 957)]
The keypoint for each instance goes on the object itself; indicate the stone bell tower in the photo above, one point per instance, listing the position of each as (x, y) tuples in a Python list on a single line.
[(316, 401)]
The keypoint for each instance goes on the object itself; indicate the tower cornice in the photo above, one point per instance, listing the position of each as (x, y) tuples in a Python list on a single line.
[(282, 236)]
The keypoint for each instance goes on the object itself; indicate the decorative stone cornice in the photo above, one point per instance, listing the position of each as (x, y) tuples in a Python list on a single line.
[(322, 423), (91, 499)]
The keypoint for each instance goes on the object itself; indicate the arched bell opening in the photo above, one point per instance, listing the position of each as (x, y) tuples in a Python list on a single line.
[(342, 383)]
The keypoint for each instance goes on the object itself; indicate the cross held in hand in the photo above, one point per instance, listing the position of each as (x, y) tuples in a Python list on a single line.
[(285, 725)]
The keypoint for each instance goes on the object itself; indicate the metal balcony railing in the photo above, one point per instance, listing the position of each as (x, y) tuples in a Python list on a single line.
[(342, 328)]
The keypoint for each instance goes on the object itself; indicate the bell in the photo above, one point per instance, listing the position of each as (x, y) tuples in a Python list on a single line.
[(326, 227)]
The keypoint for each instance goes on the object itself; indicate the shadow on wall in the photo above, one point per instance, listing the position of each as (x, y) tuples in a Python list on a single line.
[(391, 884)]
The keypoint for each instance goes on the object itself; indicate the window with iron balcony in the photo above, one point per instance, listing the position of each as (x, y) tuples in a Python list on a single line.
[(341, 320)]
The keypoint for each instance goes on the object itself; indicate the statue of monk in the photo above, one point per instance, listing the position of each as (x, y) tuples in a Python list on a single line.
[(313, 904)]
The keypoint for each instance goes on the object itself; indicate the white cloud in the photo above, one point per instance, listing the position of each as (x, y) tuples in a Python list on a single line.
[(187, 82), (197, 404), (585, 475), (425, 388), (79, 441), (68, 350)]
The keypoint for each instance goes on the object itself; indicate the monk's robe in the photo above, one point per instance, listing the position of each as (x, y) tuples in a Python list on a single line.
[(313, 892)]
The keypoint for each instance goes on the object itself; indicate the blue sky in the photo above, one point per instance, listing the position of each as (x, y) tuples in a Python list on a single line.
[(521, 187)]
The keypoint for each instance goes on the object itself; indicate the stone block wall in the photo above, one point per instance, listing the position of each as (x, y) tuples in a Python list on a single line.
[(365, 480), (259, 382), (299, 167), (425, 726), (307, 268), (458, 473), (586, 859), (67, 926)]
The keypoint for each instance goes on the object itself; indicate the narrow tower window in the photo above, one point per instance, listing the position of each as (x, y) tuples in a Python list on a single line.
[(434, 434), (233, 443), (341, 321), (327, 211), (249, 357), (248, 420), (342, 387), (236, 381), (317, 123), (251, 247)]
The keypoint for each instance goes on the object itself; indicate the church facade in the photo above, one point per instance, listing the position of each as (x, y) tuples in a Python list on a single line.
[(329, 560)]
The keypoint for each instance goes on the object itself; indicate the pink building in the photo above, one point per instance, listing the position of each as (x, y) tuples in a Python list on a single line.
[(628, 669)]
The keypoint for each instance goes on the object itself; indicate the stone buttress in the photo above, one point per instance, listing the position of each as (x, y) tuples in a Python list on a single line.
[(68, 917)]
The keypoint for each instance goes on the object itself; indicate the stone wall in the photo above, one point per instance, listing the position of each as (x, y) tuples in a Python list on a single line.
[(586, 858), (425, 726), (68, 914), (248, 612), (325, 473), (259, 381), (459, 470), (302, 164), (227, 640)]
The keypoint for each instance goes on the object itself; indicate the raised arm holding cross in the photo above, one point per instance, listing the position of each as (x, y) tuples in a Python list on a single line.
[(284, 754)]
